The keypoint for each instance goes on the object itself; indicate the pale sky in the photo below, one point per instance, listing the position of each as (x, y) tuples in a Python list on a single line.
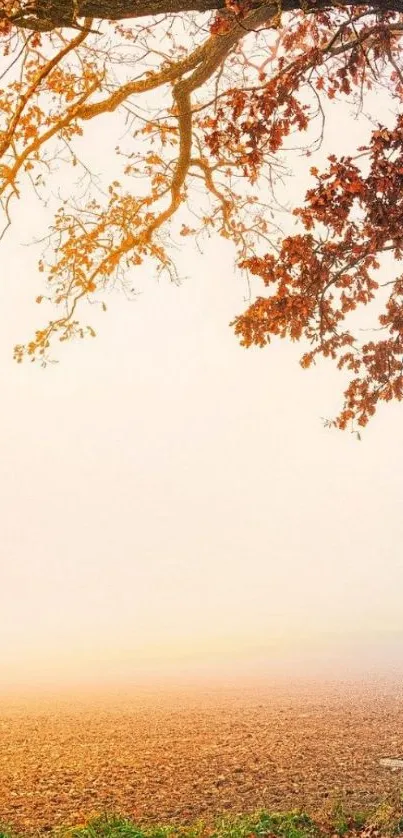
[(172, 504)]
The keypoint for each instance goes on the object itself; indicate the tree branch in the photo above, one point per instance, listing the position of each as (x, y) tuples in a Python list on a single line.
[(45, 15)]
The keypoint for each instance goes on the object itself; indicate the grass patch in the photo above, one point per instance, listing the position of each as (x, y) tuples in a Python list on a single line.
[(288, 825), (339, 819), (385, 820)]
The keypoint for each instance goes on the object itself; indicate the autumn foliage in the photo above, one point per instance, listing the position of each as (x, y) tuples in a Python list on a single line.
[(212, 100)]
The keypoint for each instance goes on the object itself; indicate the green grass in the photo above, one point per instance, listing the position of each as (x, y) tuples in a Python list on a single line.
[(288, 825), (295, 824)]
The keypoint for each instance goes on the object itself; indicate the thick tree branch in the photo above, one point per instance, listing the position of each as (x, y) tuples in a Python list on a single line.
[(45, 15)]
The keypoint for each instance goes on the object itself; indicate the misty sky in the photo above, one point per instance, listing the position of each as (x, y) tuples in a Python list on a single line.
[(171, 503)]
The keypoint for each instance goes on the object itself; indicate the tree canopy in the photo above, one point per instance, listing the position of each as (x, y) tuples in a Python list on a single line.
[(213, 91)]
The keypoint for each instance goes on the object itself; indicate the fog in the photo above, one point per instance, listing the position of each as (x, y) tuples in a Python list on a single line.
[(173, 507)]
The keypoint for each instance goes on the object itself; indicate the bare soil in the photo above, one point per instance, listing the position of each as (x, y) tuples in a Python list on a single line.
[(179, 756)]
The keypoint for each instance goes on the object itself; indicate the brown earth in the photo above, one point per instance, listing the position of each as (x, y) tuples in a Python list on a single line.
[(175, 757)]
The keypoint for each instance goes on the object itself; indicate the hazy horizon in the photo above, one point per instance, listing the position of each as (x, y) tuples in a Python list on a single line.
[(356, 661)]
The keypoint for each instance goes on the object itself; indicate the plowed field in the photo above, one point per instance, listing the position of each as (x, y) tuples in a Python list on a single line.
[(175, 757)]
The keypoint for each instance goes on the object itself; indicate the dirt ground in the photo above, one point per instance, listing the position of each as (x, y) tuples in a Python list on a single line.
[(178, 756)]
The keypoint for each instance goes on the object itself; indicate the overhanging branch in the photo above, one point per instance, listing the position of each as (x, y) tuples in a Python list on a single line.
[(45, 15)]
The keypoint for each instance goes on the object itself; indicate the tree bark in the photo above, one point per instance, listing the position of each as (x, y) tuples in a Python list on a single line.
[(55, 14), (121, 9)]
